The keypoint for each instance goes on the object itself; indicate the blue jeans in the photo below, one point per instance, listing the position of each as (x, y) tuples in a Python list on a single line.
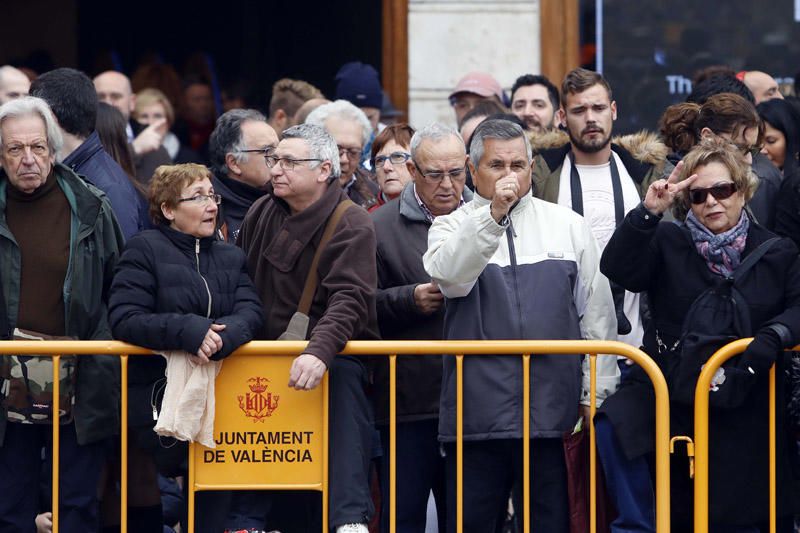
[(628, 482)]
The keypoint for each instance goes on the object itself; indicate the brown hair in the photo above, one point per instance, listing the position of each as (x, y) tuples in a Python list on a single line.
[(580, 79), (399, 133), (168, 182), (681, 124), (150, 96), (677, 126), (715, 150), (289, 95)]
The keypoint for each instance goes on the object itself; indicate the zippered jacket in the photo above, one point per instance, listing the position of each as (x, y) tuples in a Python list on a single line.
[(95, 244), (536, 277), (170, 287)]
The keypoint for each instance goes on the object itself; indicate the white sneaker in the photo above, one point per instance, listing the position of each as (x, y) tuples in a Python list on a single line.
[(353, 528)]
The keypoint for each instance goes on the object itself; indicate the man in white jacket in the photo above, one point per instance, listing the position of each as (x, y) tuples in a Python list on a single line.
[(514, 267)]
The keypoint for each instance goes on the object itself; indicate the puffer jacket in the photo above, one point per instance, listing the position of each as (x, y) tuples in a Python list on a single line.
[(169, 288), (95, 244)]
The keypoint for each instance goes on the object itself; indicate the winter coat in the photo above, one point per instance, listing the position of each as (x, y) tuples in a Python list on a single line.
[(401, 229), (643, 155), (169, 288), (94, 164), (95, 244), (280, 247), (661, 259), (787, 208), (536, 277), (363, 191), (237, 197)]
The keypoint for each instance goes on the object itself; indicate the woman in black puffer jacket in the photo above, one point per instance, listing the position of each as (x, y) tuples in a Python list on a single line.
[(176, 288)]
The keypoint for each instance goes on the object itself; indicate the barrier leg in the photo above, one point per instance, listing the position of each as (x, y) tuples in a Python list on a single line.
[(459, 443), (392, 443), (592, 445), (526, 444), (123, 449), (56, 437)]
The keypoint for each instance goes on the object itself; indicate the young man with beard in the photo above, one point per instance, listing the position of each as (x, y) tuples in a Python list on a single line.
[(603, 180)]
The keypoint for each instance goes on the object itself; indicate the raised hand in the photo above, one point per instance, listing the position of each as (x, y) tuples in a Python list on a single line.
[(661, 193), (506, 192)]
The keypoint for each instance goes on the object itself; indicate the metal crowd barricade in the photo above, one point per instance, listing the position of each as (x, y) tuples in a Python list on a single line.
[(701, 435), (56, 349), (525, 349), (393, 349)]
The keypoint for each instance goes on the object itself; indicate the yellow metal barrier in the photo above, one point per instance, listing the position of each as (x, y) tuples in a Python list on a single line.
[(392, 349), (701, 435), (525, 349)]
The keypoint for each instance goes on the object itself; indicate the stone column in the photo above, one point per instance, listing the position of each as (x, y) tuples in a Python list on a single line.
[(447, 39)]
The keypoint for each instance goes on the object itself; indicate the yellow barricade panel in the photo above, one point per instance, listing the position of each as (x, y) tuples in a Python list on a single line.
[(266, 433)]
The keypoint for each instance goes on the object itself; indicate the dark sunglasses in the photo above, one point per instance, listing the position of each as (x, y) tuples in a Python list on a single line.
[(719, 191)]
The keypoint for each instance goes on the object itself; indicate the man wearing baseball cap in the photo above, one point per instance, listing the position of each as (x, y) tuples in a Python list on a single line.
[(473, 88)]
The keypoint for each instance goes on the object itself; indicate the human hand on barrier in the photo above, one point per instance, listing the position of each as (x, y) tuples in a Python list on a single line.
[(306, 372), (428, 298), (44, 523), (212, 343), (662, 193)]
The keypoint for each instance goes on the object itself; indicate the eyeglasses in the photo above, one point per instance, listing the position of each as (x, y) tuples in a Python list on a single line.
[(352, 153), (287, 163), (747, 149), (201, 199), (720, 191), (436, 176), (395, 158), (263, 151)]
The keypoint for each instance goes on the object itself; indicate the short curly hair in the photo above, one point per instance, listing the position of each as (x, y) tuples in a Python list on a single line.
[(168, 182), (714, 149)]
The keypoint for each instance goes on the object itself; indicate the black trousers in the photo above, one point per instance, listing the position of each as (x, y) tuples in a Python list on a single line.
[(492, 468)]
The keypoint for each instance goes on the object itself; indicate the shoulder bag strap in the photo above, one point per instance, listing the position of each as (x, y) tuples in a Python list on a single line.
[(312, 280)]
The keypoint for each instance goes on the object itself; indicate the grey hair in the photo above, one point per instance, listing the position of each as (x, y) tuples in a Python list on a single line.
[(320, 143), (496, 129), (434, 131), (31, 105), (227, 137), (342, 110)]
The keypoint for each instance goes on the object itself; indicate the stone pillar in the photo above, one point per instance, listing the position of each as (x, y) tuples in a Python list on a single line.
[(447, 39)]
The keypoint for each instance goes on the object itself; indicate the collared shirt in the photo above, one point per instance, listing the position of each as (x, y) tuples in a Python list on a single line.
[(427, 212)]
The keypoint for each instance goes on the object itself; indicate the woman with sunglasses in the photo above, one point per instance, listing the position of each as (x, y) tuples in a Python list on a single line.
[(390, 153), (176, 288), (675, 263)]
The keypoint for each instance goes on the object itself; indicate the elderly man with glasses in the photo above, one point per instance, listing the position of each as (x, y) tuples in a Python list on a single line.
[(351, 130), (238, 148), (410, 307), (280, 236)]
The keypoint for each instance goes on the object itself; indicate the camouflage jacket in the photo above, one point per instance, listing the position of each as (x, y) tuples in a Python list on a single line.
[(95, 246)]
